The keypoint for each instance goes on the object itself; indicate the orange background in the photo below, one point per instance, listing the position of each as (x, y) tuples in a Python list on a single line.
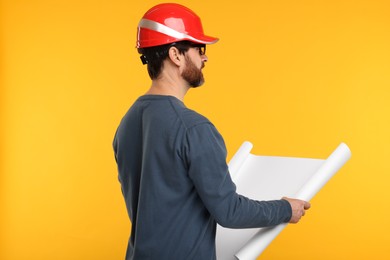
[(295, 78)]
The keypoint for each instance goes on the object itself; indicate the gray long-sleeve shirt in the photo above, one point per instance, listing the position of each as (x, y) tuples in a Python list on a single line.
[(175, 181)]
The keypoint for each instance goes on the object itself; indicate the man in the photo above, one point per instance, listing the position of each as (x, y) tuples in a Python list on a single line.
[(172, 160)]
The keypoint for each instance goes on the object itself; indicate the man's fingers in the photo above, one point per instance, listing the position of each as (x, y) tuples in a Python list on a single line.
[(307, 205)]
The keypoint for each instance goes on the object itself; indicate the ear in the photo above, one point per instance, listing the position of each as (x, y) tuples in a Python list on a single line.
[(175, 56)]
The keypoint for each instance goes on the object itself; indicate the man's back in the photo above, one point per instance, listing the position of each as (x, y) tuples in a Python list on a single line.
[(174, 177), (168, 217)]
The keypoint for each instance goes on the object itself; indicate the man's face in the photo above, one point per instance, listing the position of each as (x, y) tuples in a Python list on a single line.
[(192, 73)]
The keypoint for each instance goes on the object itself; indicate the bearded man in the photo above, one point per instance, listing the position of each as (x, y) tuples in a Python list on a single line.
[(172, 160)]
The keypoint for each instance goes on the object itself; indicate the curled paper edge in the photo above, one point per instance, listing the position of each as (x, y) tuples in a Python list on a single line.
[(239, 158)]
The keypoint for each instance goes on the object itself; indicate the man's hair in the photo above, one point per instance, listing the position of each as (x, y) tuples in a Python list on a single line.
[(154, 56)]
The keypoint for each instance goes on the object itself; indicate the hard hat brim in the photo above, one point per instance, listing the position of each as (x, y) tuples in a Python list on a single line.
[(204, 39)]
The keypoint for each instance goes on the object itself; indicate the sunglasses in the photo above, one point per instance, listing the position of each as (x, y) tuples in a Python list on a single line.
[(200, 47)]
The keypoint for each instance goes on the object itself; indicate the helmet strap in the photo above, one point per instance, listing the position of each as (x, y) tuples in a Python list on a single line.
[(143, 59)]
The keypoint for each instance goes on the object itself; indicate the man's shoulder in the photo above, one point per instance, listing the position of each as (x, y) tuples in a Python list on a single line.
[(191, 118), (162, 106)]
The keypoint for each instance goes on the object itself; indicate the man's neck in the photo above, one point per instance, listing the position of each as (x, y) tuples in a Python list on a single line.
[(168, 87)]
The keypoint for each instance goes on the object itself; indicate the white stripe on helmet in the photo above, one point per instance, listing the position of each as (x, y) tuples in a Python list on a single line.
[(158, 27)]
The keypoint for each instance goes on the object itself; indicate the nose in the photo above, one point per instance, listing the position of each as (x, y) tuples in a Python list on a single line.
[(204, 58)]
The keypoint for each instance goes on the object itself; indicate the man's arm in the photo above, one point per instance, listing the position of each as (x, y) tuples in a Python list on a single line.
[(206, 159)]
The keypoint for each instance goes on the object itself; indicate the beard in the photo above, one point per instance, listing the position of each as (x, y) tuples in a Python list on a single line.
[(192, 74)]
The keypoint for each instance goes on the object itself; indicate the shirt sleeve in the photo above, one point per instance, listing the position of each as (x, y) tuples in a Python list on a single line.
[(206, 159)]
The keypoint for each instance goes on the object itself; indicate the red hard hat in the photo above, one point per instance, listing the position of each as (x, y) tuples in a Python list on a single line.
[(167, 23)]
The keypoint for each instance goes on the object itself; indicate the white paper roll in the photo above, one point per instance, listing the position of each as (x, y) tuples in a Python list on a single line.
[(267, 178), (256, 245)]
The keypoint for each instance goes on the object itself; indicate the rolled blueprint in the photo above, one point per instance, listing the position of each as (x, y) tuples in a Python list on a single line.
[(268, 178)]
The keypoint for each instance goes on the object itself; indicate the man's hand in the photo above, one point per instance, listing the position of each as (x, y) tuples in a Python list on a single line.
[(298, 208)]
